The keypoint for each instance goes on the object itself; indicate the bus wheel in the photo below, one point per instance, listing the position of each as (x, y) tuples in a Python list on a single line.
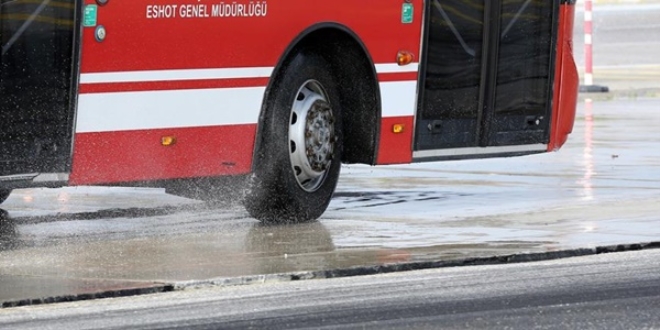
[(4, 194), (298, 156)]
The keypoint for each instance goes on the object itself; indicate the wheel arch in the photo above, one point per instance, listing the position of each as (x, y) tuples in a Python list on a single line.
[(360, 98)]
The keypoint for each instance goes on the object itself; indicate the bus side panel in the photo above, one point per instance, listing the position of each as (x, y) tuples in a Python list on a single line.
[(143, 161), (395, 147), (201, 80), (398, 99), (399, 92), (566, 81)]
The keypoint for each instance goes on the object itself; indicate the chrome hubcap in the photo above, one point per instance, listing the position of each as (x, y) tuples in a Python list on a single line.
[(311, 136)]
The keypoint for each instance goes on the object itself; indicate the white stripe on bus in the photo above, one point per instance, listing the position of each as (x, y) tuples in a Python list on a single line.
[(398, 98), (173, 75), (121, 111), (395, 68), (206, 74)]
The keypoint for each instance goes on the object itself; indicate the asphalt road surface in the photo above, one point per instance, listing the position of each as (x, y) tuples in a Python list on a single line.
[(607, 291)]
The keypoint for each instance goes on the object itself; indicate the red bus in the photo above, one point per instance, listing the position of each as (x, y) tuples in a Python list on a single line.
[(278, 93)]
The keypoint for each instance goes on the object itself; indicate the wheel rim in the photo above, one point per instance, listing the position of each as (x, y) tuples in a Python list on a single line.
[(311, 136)]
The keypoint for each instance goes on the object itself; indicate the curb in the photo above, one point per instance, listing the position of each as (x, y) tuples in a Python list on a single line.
[(400, 267), (619, 2), (88, 296), (621, 94), (335, 273)]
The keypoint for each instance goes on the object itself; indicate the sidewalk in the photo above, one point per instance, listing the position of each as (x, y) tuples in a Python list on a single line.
[(599, 5), (627, 2), (625, 81)]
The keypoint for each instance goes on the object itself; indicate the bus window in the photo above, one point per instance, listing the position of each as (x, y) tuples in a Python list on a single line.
[(35, 83), (450, 104), (486, 75)]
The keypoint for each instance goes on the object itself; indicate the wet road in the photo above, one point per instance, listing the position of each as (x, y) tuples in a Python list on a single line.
[(609, 291), (601, 189)]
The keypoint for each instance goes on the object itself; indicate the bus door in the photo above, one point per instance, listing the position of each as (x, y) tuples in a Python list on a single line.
[(487, 73), (36, 79)]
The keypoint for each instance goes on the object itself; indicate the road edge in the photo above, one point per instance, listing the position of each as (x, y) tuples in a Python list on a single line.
[(336, 273), (409, 266)]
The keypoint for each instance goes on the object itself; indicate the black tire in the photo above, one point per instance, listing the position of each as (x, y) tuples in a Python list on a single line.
[(4, 194), (274, 193)]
